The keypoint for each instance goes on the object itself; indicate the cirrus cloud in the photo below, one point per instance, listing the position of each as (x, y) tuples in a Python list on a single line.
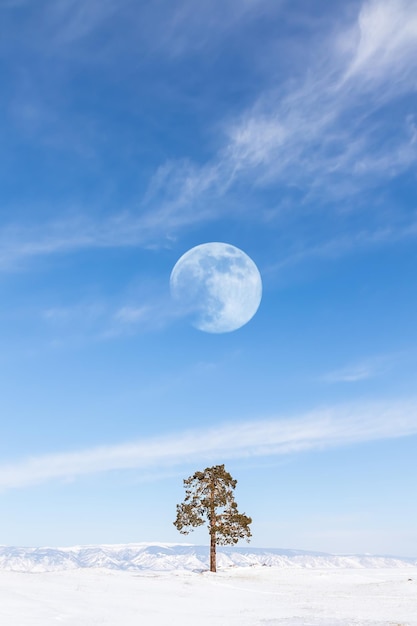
[(317, 430)]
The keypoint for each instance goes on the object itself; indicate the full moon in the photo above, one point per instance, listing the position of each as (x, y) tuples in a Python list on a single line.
[(218, 285)]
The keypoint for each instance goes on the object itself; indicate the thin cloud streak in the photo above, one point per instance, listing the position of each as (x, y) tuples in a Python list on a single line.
[(309, 132), (365, 369), (18, 243), (99, 321), (306, 133), (325, 130), (348, 244), (353, 373), (318, 430), (386, 38)]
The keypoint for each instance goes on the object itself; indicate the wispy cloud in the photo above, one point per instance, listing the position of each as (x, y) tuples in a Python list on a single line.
[(21, 242), (365, 369), (182, 30), (99, 320), (161, 27), (353, 373), (318, 430), (327, 132), (130, 314), (330, 124), (131, 319), (72, 20), (343, 245), (385, 42)]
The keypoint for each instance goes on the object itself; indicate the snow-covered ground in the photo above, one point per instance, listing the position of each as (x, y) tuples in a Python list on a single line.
[(299, 593)]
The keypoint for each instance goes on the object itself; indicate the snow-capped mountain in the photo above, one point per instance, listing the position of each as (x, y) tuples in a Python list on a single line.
[(167, 557)]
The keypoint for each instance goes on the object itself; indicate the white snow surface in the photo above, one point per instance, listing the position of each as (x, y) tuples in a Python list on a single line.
[(168, 584)]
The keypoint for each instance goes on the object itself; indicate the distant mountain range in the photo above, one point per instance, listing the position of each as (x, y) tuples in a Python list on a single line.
[(167, 557)]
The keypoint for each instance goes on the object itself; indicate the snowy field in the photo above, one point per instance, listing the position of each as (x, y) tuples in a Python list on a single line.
[(261, 596), (304, 590)]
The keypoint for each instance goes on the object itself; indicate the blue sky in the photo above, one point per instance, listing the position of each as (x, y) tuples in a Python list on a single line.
[(133, 131)]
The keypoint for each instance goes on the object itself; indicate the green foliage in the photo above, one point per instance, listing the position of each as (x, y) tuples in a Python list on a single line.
[(209, 497)]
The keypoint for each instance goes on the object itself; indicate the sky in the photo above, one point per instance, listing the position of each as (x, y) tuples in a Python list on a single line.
[(132, 132)]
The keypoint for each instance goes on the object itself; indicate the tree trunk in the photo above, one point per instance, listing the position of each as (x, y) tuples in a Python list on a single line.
[(212, 552), (212, 527)]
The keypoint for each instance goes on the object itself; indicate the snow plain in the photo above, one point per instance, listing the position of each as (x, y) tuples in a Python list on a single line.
[(305, 590)]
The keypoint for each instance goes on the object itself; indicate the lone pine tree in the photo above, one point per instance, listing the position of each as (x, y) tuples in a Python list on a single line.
[(209, 496)]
